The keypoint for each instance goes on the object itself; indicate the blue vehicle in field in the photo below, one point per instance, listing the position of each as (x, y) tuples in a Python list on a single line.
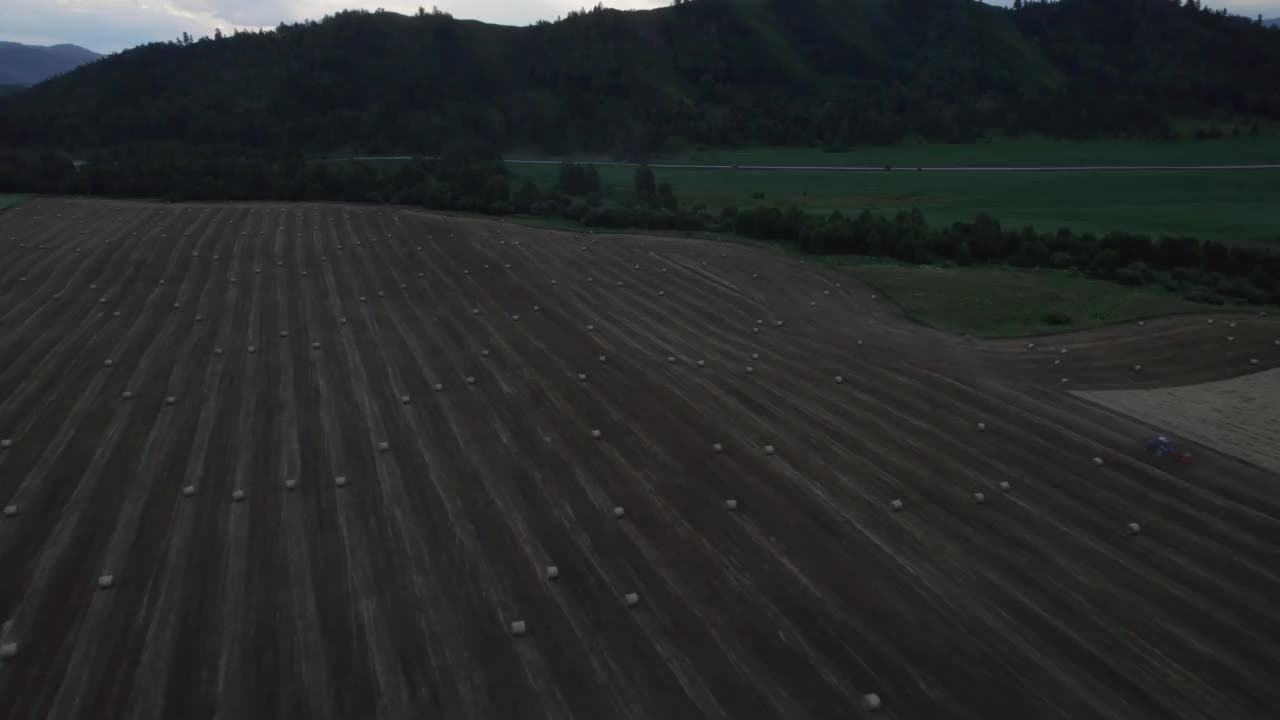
[(1163, 447)]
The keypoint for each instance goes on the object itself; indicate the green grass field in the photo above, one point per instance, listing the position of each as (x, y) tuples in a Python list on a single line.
[(995, 302), (11, 200), (1229, 205), (999, 152), (1225, 205)]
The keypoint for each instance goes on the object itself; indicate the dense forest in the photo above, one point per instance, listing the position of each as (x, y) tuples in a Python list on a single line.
[(711, 72)]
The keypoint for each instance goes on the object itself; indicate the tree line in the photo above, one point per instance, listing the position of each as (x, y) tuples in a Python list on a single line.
[(471, 178)]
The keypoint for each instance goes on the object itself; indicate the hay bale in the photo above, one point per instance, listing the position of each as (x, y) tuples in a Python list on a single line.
[(518, 628), (870, 702), (1134, 528), (189, 491), (1097, 461), (731, 504), (170, 400), (979, 498), (839, 379), (1004, 485), (291, 484), (619, 511), (750, 370), (340, 481), (596, 435), (11, 510), (551, 572), (127, 395), (632, 599), (106, 582), (384, 446), (896, 505), (769, 450)]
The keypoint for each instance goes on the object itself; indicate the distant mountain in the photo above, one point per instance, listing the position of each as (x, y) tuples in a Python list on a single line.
[(29, 64), (699, 72), (1273, 22)]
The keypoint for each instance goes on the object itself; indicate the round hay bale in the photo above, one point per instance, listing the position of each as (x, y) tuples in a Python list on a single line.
[(769, 450), (596, 435), (405, 400), (671, 359), (108, 362), (484, 353), (839, 379), (582, 377), (340, 481), (1134, 528), (1097, 461), (979, 498), (471, 380), (551, 572), (1004, 485), (750, 370), (11, 510), (170, 400), (604, 358), (188, 490), (632, 599), (106, 582), (717, 448), (871, 702), (519, 628), (896, 505), (384, 446), (619, 511), (438, 387)]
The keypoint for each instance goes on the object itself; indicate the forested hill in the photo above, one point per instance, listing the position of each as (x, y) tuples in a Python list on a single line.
[(707, 71)]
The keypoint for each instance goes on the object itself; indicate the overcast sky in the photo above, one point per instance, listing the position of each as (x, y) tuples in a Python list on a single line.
[(110, 25)]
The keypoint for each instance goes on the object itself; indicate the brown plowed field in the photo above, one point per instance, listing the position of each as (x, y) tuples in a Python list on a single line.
[(392, 595)]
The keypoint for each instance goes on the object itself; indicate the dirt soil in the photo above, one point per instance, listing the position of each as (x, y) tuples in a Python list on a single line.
[(247, 581), (1240, 416)]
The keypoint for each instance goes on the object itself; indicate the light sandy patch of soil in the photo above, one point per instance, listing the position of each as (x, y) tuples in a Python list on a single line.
[(1240, 416)]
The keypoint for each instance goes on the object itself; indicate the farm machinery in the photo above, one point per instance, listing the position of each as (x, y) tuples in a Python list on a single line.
[(1161, 447)]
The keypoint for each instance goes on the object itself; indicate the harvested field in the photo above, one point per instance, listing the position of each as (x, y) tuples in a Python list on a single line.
[(1240, 416), (317, 461)]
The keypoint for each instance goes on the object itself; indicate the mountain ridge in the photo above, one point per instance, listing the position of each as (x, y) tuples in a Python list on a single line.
[(707, 72), (22, 64)]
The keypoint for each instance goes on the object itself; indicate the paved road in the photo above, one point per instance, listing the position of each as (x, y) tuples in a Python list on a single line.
[(880, 168)]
